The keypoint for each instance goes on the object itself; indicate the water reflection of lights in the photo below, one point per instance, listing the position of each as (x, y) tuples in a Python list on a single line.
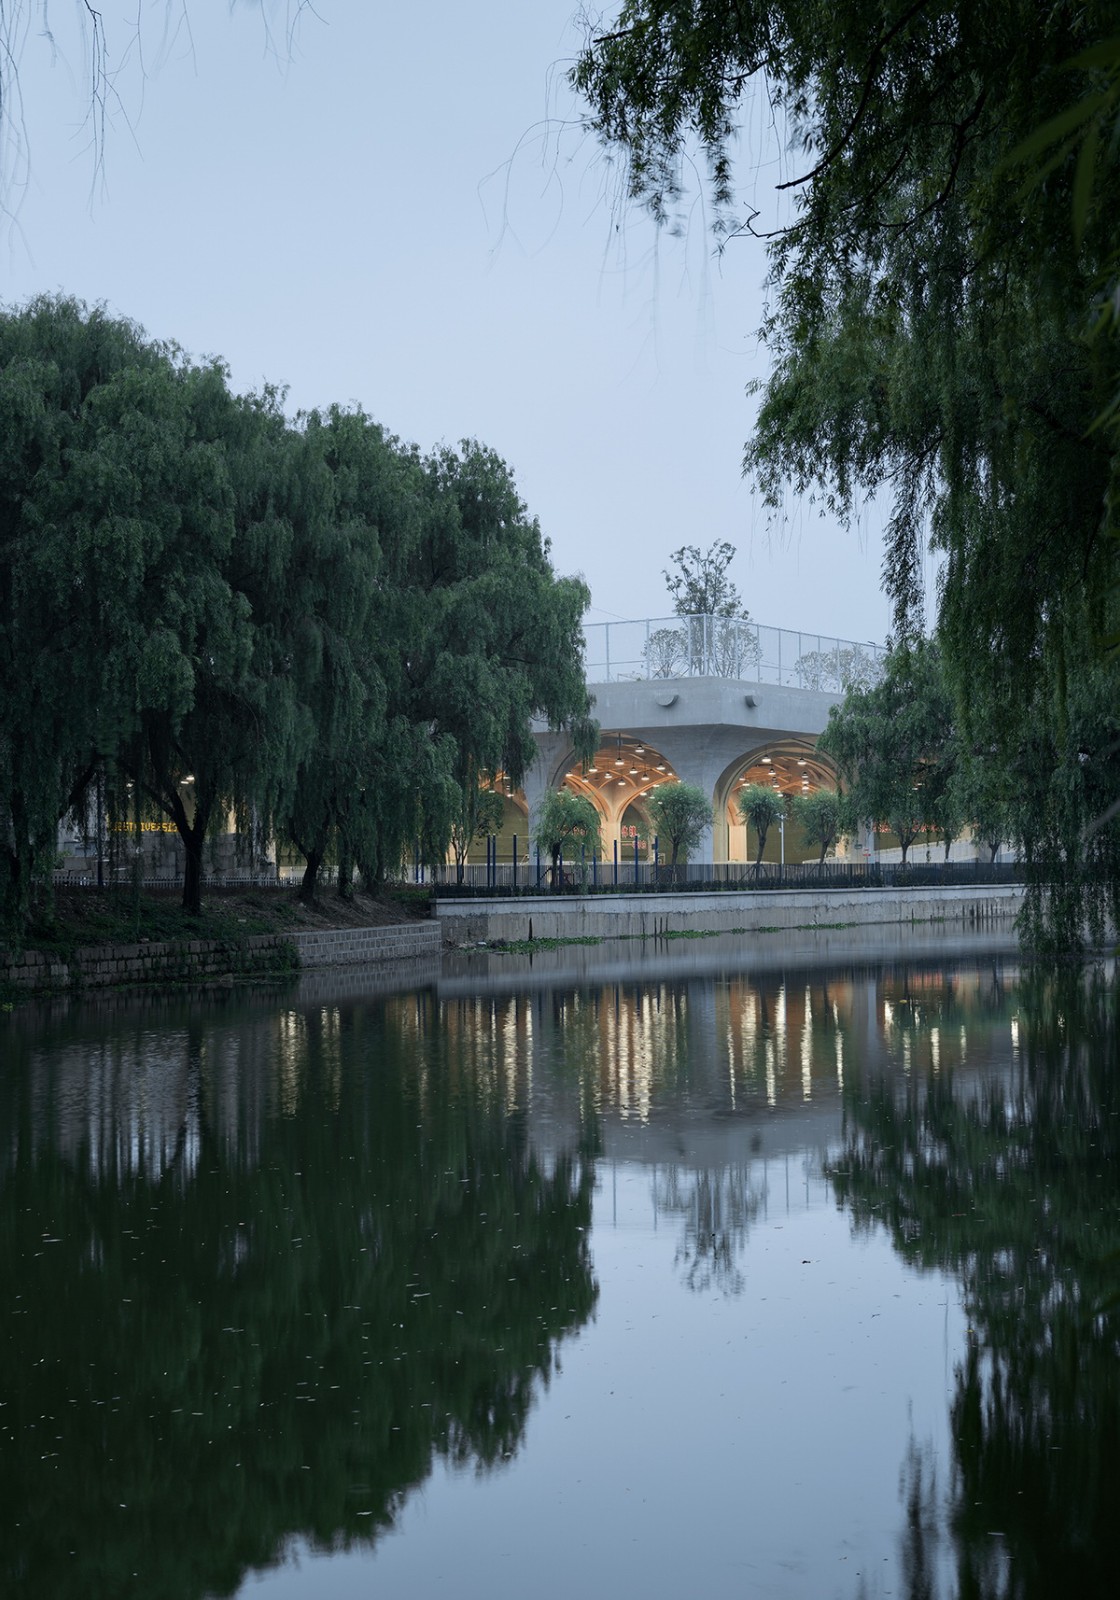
[(807, 1049), (291, 1053), (632, 1052)]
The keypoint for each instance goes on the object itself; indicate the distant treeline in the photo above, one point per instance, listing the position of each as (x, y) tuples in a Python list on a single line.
[(206, 607)]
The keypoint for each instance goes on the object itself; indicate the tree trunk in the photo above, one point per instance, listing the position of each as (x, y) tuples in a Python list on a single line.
[(192, 871), (309, 884), (11, 903), (345, 873)]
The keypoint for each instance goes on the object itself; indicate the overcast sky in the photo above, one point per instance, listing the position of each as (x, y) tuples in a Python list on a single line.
[(398, 210)]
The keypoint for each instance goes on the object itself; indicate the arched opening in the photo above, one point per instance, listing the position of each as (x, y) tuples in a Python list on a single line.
[(790, 767), (622, 773)]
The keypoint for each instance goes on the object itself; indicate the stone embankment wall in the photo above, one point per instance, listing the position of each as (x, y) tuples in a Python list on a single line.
[(218, 960), (648, 916), (350, 947)]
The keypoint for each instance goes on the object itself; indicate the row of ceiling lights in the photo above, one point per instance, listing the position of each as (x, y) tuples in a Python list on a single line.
[(620, 761), (768, 761)]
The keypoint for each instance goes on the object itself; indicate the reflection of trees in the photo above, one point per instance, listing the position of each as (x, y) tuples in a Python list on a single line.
[(199, 1367), (1015, 1187), (718, 1205)]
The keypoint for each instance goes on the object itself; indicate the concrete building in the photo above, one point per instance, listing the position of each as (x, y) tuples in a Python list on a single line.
[(714, 702)]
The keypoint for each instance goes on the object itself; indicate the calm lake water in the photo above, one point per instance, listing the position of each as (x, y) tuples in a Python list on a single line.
[(784, 1272)]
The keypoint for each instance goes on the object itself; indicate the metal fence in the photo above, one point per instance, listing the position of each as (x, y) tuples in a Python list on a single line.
[(598, 877), (595, 876), (726, 647), (122, 878)]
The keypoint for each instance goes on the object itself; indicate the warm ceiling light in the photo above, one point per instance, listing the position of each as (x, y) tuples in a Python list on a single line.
[(801, 761), (661, 767), (592, 769), (641, 750), (633, 772), (620, 762), (766, 761), (622, 783)]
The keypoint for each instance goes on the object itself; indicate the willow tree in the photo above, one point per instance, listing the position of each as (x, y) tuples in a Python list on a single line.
[(435, 637), (481, 636), (931, 310), (368, 495), (77, 524), (219, 724)]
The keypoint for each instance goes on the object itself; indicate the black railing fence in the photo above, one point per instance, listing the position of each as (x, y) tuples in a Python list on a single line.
[(593, 876), (597, 877)]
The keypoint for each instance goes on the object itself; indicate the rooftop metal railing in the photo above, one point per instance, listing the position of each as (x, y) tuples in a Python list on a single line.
[(726, 647)]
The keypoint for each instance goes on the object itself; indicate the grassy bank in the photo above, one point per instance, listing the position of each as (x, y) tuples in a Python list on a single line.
[(80, 918)]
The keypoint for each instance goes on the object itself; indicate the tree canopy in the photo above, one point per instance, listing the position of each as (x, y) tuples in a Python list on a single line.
[(680, 813), (939, 319), (822, 817), (566, 821), (700, 586), (303, 622), (896, 746), (760, 807)]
